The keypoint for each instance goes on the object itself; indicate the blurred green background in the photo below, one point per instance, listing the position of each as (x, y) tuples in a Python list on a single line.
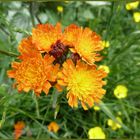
[(116, 25)]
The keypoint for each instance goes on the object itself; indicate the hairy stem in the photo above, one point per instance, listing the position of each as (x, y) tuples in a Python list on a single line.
[(8, 53)]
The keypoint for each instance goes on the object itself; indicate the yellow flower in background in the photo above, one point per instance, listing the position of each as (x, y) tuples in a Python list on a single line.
[(60, 9), (96, 107), (119, 113), (106, 44), (66, 1), (53, 126), (132, 5), (136, 16), (114, 125), (105, 68), (120, 91), (96, 133)]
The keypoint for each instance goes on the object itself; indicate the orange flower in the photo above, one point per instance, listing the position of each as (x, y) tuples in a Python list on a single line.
[(83, 83), (19, 126), (34, 73), (46, 35), (84, 42), (27, 49), (53, 126)]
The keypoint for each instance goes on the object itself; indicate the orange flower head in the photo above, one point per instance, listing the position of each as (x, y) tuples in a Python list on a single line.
[(34, 73), (53, 126), (19, 126), (84, 83), (84, 42), (27, 49), (46, 35)]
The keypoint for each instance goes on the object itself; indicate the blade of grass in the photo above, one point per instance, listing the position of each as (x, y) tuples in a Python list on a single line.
[(124, 110), (40, 131), (3, 136), (107, 111), (36, 104)]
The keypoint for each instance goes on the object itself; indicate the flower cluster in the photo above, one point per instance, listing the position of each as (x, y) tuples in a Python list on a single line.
[(52, 58)]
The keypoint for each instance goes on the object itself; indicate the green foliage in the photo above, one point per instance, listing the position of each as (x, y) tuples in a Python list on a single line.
[(116, 25)]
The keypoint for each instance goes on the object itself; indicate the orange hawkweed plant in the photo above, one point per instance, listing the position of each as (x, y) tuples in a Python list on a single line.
[(46, 35), (34, 72), (53, 127), (83, 82), (18, 128), (85, 42), (51, 57)]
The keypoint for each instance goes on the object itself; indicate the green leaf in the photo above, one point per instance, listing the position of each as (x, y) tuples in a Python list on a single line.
[(52, 17), (22, 20), (68, 17), (88, 14)]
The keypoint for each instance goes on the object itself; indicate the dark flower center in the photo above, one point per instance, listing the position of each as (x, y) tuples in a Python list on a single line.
[(59, 52)]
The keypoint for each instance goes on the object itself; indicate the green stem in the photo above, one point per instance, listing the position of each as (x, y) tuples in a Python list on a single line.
[(124, 110), (38, 19), (40, 131), (21, 31), (9, 53), (37, 106), (31, 8)]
